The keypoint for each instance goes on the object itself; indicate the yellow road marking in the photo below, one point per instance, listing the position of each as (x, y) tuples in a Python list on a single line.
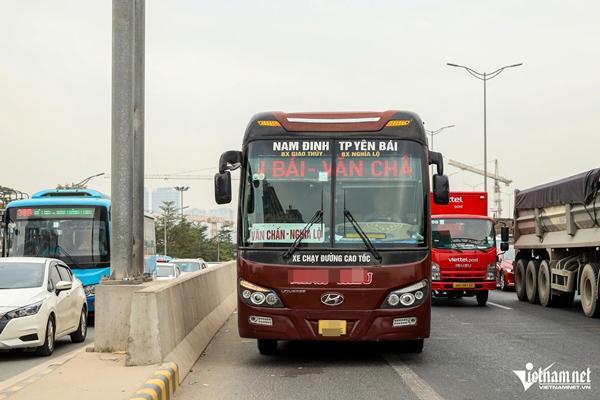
[(167, 374), (151, 392), (160, 384)]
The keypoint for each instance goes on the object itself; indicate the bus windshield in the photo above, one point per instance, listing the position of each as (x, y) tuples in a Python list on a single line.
[(312, 188), (462, 233), (77, 235)]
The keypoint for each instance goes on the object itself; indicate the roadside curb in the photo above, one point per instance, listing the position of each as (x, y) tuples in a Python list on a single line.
[(161, 385)]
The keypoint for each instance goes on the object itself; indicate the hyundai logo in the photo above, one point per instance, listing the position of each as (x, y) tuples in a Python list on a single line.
[(332, 299)]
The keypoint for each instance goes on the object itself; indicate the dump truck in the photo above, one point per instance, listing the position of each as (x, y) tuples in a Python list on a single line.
[(557, 242)]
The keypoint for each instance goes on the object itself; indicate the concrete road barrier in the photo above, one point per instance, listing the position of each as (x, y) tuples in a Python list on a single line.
[(168, 321)]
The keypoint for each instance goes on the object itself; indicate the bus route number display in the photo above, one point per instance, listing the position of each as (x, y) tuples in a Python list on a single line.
[(55, 212)]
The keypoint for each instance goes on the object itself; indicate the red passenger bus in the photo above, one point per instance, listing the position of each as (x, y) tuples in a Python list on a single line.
[(334, 227)]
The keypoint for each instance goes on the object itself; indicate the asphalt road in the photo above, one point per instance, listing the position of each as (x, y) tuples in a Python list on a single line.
[(471, 355), (14, 362)]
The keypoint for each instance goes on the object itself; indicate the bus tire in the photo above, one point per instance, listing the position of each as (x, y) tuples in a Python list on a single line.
[(266, 346), (520, 279), (544, 287), (531, 274), (588, 289), (414, 346)]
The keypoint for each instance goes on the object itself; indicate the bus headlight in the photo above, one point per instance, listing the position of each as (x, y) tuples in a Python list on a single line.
[(258, 296), (491, 272), (435, 271), (408, 296)]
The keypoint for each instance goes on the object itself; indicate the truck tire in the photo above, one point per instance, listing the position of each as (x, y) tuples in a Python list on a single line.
[(520, 279), (544, 282), (531, 274), (588, 289), (482, 297)]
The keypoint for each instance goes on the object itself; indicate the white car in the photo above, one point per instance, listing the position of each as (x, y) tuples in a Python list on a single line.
[(189, 265), (166, 271), (40, 301)]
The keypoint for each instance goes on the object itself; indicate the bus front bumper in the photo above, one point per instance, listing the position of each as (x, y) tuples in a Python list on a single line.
[(361, 325)]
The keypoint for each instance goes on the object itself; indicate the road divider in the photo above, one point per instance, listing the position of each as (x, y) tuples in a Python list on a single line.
[(167, 321)]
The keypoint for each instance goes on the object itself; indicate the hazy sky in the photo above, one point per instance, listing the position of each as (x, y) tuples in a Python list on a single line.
[(211, 65)]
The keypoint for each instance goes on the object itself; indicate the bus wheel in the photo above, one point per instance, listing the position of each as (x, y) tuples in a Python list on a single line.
[(266, 346), (588, 287), (531, 282), (482, 297), (520, 279), (543, 284), (414, 346)]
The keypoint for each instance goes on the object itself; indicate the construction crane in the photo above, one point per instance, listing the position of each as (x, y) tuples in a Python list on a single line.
[(497, 179)]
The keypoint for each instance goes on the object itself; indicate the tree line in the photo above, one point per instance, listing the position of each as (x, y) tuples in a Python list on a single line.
[(188, 239)]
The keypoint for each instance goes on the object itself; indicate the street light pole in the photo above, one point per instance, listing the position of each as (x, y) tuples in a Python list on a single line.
[(484, 76), (182, 189), (434, 132)]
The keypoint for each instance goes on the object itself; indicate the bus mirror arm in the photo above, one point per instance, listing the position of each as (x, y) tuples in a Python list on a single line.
[(230, 161), (437, 159)]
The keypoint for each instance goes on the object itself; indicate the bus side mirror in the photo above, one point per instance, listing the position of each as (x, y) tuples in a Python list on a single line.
[(441, 189), (223, 188)]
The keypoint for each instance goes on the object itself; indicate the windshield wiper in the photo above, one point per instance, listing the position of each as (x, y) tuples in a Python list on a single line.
[(317, 216), (60, 249), (363, 236)]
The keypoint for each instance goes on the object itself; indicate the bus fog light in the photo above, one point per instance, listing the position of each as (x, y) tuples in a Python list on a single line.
[(393, 299), (271, 299), (408, 321), (418, 295), (407, 299), (257, 298), (264, 321), (246, 294)]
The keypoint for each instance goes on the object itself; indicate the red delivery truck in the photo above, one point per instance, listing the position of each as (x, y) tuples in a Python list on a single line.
[(463, 247)]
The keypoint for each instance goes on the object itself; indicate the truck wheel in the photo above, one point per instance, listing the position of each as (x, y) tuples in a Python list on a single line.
[(266, 346), (543, 284), (588, 288), (482, 297), (520, 279), (531, 274)]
